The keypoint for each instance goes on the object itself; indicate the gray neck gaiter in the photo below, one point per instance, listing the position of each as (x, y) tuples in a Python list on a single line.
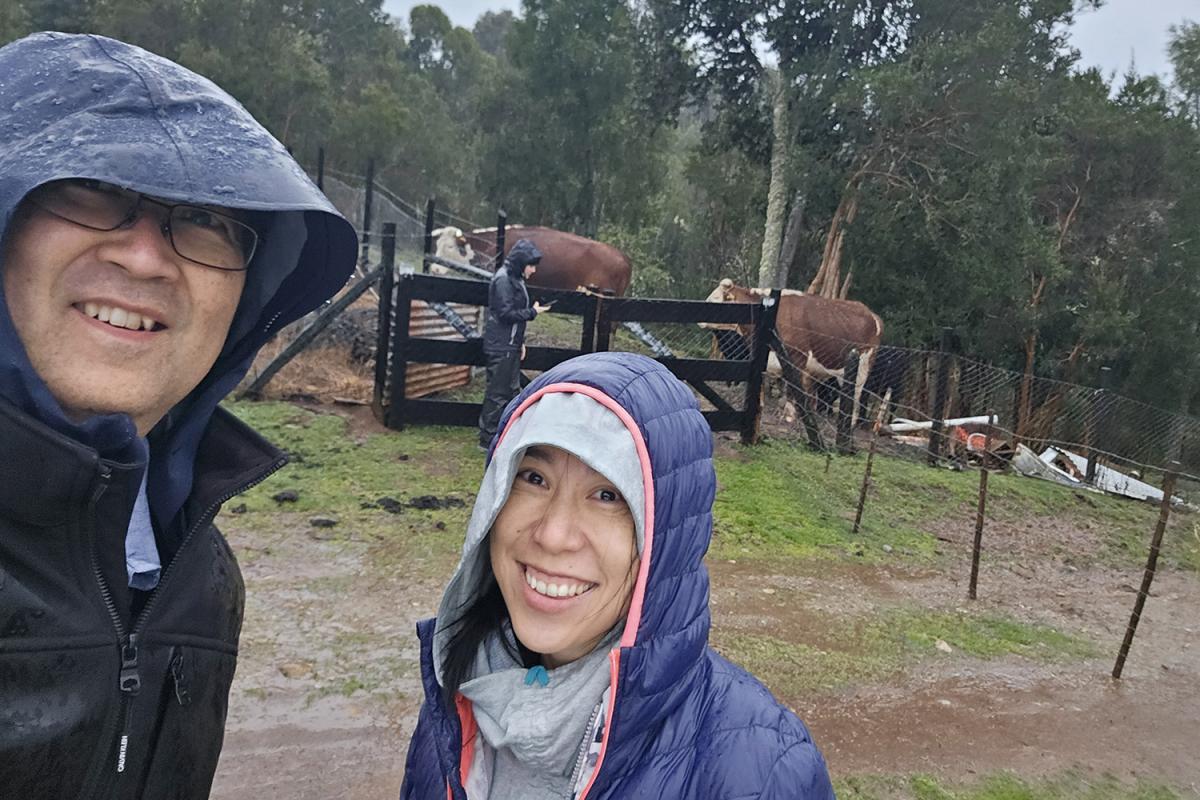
[(536, 731)]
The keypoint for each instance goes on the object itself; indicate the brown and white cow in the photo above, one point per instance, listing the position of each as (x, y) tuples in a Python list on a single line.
[(816, 334), (568, 261)]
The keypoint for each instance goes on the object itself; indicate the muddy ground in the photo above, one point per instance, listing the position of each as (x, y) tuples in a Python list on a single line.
[(327, 688)]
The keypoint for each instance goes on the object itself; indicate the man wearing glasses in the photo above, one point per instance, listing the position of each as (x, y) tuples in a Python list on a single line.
[(153, 238)]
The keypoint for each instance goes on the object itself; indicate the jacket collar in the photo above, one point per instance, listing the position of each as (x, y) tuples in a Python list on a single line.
[(46, 478)]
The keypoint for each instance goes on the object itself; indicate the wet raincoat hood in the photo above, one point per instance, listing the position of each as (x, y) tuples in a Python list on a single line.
[(85, 106), (520, 255)]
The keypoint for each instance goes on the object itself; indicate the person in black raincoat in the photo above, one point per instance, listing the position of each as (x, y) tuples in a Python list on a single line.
[(154, 237), (509, 308)]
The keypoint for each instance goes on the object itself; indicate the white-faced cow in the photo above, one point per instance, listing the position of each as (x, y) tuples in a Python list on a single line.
[(568, 261), (451, 244), (816, 334)]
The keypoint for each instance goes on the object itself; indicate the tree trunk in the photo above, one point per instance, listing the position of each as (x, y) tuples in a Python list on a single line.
[(828, 282), (769, 276), (792, 237)]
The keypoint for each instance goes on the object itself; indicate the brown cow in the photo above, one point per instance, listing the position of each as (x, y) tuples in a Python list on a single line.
[(817, 334), (568, 261)]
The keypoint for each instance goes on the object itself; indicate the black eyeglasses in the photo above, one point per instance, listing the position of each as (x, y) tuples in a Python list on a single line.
[(207, 237)]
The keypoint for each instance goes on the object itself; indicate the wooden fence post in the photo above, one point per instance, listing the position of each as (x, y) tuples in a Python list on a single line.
[(383, 326), (501, 225), (764, 328), (367, 202), (401, 313), (429, 207), (979, 513), (603, 324), (1151, 564), (939, 401), (866, 481), (845, 413), (587, 341)]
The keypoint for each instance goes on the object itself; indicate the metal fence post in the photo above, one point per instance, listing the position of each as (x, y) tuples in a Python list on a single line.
[(845, 413), (367, 202), (383, 326), (764, 326), (939, 401), (1151, 564)]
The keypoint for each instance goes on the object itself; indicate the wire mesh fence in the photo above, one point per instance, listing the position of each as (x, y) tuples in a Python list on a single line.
[(940, 406)]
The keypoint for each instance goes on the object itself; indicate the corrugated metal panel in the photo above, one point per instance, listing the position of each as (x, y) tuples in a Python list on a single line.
[(424, 322)]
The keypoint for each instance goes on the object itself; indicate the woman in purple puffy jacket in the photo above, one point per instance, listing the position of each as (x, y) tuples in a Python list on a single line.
[(569, 658)]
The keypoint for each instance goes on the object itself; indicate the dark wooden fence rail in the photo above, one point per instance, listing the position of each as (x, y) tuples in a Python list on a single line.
[(598, 315)]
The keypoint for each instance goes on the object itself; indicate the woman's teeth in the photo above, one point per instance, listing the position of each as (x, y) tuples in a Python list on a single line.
[(556, 589), (119, 317)]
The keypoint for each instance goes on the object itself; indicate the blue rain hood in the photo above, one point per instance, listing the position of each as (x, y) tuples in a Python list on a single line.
[(85, 106)]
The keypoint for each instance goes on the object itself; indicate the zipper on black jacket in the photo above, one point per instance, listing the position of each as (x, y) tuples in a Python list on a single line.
[(129, 682), (105, 591)]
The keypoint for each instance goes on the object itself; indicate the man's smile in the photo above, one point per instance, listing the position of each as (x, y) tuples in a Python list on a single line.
[(120, 317)]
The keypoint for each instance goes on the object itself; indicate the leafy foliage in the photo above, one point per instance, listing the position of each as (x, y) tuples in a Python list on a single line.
[(978, 176)]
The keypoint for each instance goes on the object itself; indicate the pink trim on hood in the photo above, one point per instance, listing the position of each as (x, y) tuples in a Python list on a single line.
[(633, 621)]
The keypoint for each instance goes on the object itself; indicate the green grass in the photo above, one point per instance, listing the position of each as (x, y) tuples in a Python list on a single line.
[(1003, 786), (983, 636), (332, 473), (776, 499), (870, 650)]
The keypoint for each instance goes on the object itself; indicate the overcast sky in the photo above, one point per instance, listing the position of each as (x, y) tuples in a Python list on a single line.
[(1108, 38)]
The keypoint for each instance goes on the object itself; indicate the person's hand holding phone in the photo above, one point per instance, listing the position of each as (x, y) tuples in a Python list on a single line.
[(542, 309)]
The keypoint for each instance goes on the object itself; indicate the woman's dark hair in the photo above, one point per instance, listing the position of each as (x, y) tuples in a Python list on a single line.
[(487, 614)]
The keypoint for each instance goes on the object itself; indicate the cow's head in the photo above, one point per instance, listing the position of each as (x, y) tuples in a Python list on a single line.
[(729, 292), (451, 241), (730, 337)]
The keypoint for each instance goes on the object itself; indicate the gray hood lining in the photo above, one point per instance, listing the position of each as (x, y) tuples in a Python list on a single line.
[(569, 421)]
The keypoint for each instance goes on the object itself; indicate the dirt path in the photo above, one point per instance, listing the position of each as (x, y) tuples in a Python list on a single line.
[(327, 691), (960, 717)]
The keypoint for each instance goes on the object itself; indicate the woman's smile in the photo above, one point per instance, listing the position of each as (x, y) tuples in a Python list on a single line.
[(564, 555)]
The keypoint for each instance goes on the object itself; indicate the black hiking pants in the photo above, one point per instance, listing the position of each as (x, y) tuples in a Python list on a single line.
[(503, 383)]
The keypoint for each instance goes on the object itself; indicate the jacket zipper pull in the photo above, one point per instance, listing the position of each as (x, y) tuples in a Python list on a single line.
[(130, 681), (101, 483), (179, 679)]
